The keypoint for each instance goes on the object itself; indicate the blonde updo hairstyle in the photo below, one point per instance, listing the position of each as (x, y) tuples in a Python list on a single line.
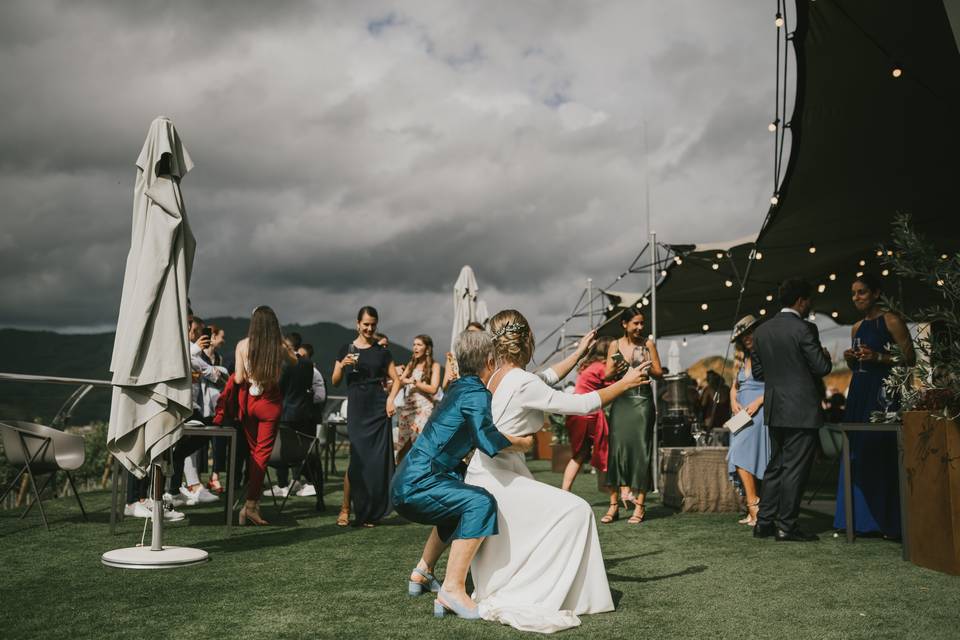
[(512, 338)]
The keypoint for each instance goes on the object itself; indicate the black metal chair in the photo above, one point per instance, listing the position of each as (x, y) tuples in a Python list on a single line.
[(41, 450), (294, 448)]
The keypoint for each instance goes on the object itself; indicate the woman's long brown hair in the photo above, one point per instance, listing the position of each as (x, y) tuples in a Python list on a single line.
[(427, 359), (265, 347), (597, 353)]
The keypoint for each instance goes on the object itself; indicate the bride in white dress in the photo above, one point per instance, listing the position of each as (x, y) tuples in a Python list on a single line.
[(545, 566)]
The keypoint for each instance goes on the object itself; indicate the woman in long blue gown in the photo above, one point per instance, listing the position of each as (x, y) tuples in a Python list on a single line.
[(750, 446), (873, 455), (428, 487)]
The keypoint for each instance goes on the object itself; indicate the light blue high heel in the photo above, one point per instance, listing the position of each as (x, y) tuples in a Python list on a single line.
[(418, 588), (440, 609)]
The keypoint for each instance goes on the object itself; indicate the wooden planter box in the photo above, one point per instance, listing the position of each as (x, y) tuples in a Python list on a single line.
[(931, 458), (560, 457), (541, 447)]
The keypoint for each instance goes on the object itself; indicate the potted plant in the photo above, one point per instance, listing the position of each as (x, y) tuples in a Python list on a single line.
[(929, 395), (560, 453)]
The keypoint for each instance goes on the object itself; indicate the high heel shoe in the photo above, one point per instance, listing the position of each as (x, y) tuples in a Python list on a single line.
[(627, 498), (639, 511), (215, 487), (415, 588), (343, 519), (612, 514), (440, 609), (251, 512), (753, 509)]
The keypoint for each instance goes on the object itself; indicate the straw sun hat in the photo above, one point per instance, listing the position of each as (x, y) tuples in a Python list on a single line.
[(745, 324)]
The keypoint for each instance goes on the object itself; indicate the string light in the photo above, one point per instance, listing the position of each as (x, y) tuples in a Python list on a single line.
[(714, 266), (663, 273), (610, 307), (763, 312), (772, 127), (821, 288), (779, 22), (889, 252), (705, 328), (863, 263), (769, 297), (944, 256), (719, 255), (859, 273), (678, 259), (645, 301), (684, 343), (879, 253), (885, 272), (759, 255), (834, 314), (897, 72), (812, 248), (704, 306), (812, 316), (727, 283), (939, 282), (833, 276), (774, 200)]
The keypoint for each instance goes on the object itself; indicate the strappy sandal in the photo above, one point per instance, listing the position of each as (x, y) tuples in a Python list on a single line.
[(639, 511), (430, 583), (753, 509), (343, 519), (612, 514)]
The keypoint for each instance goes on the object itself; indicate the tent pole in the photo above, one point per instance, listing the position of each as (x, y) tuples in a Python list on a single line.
[(590, 302), (653, 383), (156, 537)]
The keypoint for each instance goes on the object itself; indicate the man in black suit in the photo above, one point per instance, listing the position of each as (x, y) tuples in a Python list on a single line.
[(788, 357)]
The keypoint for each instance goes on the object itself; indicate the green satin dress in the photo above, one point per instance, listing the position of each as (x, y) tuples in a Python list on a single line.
[(632, 419)]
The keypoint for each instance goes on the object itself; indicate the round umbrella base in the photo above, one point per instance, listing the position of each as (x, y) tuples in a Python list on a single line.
[(144, 558)]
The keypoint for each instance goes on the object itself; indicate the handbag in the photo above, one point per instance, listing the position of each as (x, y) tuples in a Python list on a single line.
[(738, 421)]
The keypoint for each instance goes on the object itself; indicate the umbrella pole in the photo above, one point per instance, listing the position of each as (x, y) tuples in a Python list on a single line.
[(653, 331), (156, 535)]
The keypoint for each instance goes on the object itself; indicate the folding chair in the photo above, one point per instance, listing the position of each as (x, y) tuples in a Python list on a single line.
[(41, 449), (293, 448)]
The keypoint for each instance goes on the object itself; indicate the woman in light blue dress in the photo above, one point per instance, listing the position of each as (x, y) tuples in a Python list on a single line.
[(750, 446)]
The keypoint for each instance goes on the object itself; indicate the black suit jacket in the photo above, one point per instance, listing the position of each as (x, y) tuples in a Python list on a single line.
[(789, 359), (296, 382)]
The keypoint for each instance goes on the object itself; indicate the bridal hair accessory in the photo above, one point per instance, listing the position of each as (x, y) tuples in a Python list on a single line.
[(514, 327)]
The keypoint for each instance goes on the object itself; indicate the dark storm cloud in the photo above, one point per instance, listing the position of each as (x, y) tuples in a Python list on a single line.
[(349, 153)]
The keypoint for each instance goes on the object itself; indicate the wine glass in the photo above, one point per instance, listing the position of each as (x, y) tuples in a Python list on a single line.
[(857, 344), (354, 352), (638, 357)]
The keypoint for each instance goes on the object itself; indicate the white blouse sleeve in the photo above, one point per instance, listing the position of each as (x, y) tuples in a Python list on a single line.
[(549, 376), (536, 394)]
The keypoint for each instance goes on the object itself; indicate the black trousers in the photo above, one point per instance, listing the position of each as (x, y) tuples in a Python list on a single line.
[(791, 456), (137, 488), (308, 429), (185, 447)]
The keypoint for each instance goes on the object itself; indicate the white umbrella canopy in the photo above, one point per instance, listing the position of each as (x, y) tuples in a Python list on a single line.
[(673, 358), (464, 302), (151, 357)]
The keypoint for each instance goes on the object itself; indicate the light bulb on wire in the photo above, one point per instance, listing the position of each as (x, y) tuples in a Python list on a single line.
[(684, 342), (885, 272), (769, 297), (812, 248), (896, 72), (763, 312), (772, 127), (834, 314), (728, 283), (859, 273), (863, 263), (714, 266), (704, 306), (774, 200), (833, 276), (678, 259), (705, 328), (663, 273), (759, 255), (821, 288), (779, 21)]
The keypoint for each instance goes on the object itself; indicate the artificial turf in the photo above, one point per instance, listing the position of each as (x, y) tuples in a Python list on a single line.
[(674, 576)]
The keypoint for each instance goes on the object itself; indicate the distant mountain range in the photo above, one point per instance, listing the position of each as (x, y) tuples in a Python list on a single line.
[(88, 356)]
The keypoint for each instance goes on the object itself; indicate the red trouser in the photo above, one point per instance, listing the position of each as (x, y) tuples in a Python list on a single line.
[(259, 417)]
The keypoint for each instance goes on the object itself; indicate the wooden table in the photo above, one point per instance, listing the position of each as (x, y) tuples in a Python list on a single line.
[(845, 428), (191, 430)]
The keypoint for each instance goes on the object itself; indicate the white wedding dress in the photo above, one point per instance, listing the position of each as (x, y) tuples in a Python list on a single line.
[(545, 566)]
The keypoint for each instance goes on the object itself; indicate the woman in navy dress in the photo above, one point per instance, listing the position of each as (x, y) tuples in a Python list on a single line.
[(429, 488), (750, 446), (366, 366), (873, 456)]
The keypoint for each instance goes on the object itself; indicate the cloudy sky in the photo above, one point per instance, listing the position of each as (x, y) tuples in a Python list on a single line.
[(353, 153)]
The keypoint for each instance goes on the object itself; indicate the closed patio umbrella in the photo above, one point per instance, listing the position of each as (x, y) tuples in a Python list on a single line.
[(464, 302), (151, 358)]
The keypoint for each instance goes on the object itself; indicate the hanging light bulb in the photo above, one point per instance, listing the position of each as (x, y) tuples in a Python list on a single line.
[(663, 272), (834, 314), (774, 200), (896, 72), (719, 255), (879, 253), (833, 276), (705, 328), (704, 306), (779, 22), (944, 256), (769, 297), (812, 248), (859, 273), (759, 255), (610, 307), (863, 263), (821, 288), (772, 127), (684, 343), (645, 301), (678, 259), (763, 312), (889, 252), (885, 272), (728, 283), (812, 316), (714, 266), (939, 282)]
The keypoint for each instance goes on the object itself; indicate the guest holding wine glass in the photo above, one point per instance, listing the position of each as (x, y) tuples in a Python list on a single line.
[(632, 417), (420, 380), (366, 366), (259, 359), (749, 450), (589, 434), (873, 456)]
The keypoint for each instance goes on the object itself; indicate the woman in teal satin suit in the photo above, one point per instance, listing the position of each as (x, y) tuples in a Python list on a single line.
[(428, 487)]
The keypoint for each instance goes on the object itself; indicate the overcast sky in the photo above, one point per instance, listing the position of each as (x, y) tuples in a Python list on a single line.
[(352, 153)]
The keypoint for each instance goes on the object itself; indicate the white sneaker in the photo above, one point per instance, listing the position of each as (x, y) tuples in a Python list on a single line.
[(206, 496), (173, 516), (190, 498), (173, 501), (276, 492), (137, 510), (307, 490)]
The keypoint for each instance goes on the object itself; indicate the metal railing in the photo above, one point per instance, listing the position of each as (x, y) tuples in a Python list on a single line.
[(62, 417)]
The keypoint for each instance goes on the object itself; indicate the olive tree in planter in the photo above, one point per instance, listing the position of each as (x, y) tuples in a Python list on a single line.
[(930, 400)]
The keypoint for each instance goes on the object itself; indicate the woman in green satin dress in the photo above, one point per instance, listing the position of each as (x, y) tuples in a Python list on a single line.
[(632, 418)]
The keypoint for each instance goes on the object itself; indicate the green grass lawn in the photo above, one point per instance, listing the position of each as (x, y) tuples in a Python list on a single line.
[(674, 576)]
